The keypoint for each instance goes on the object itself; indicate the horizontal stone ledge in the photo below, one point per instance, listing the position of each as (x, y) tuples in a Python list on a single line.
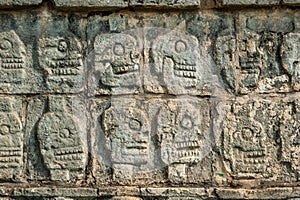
[(161, 192), (248, 2), (120, 4), (226, 3), (11, 3)]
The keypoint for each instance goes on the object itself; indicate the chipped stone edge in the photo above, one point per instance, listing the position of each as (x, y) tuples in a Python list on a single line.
[(203, 193), (93, 4)]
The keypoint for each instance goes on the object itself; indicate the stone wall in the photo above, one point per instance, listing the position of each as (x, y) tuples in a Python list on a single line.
[(149, 99)]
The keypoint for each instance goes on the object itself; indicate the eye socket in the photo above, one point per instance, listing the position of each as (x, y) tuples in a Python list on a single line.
[(186, 122), (134, 124), (247, 133), (4, 129), (119, 49), (5, 44), (62, 46), (65, 133), (180, 46)]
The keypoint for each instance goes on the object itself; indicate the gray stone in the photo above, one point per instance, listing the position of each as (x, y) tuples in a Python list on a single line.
[(184, 136), (11, 137), (290, 2), (171, 3), (250, 2), (289, 137), (62, 61), (91, 3), (117, 59), (61, 140), (249, 60), (290, 58), (6, 3)]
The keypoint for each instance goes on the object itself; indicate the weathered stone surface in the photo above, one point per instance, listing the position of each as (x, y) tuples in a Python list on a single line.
[(250, 60), (19, 2), (171, 3), (11, 137), (250, 2), (290, 2), (101, 102), (91, 3), (62, 61), (61, 138)]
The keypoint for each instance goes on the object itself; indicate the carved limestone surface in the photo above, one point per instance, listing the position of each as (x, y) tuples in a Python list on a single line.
[(117, 63), (253, 64), (11, 141), (227, 60), (290, 57), (176, 62), (61, 143), (12, 58), (127, 130), (250, 2), (184, 135), (165, 2), (129, 139), (290, 137), (245, 143), (61, 59), (91, 3)]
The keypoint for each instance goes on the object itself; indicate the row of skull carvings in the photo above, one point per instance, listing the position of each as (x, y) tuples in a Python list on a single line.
[(175, 64), (183, 132), (133, 135)]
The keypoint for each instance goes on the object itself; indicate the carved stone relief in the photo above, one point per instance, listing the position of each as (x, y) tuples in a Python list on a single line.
[(11, 141), (245, 142), (128, 131), (183, 131), (117, 60), (176, 63), (290, 56), (61, 59), (61, 143), (249, 60), (289, 134), (13, 58)]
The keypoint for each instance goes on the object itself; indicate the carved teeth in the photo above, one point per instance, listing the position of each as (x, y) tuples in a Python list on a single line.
[(64, 71), (69, 157), (66, 151), (10, 160), (73, 63), (124, 69), (185, 68), (187, 144), (185, 74), (10, 152), (12, 65), (188, 153)]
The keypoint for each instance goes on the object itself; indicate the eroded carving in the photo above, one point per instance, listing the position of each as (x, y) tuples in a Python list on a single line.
[(227, 59), (60, 142), (249, 62), (117, 59), (290, 136), (127, 129), (61, 59), (245, 143), (176, 61), (183, 129), (12, 58), (291, 58), (11, 141)]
